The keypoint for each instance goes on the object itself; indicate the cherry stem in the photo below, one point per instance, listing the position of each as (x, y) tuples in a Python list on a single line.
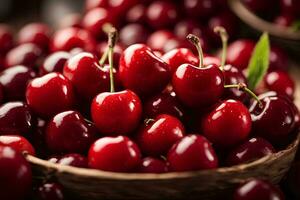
[(224, 37), (106, 29), (196, 41), (112, 39), (243, 87)]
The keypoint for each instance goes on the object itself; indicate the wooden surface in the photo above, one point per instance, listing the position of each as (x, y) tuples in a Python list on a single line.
[(295, 72)]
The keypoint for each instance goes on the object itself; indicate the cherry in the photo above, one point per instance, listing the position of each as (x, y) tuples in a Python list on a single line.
[(293, 180), (285, 20), (15, 119), (274, 120), (175, 43), (24, 54), (18, 143), (90, 4), (211, 60), (54, 62), (117, 154), (36, 33), (200, 9), (163, 103), (257, 189), (102, 48), (68, 132), (69, 38), (157, 136), (70, 20), (161, 14), (185, 27), (38, 137), (15, 174), (6, 39), (153, 165), (75, 160), (291, 7), (228, 124), (50, 191), (50, 94), (278, 59), (14, 81), (132, 34), (198, 86), (193, 152), (250, 150), (136, 14), (147, 79), (157, 40), (256, 5)]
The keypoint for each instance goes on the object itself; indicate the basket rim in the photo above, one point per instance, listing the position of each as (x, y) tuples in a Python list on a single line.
[(260, 24), (95, 173)]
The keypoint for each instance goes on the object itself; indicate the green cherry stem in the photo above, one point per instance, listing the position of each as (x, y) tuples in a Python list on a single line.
[(106, 29), (196, 42), (224, 37), (112, 39)]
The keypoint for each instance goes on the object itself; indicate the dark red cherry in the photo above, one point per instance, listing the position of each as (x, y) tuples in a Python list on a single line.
[(157, 136), (6, 39), (50, 94), (70, 20), (118, 50), (281, 83), (250, 150), (136, 14), (14, 81), (69, 38), (292, 181), (274, 120), (68, 132), (291, 7), (90, 4), (163, 103), (228, 124), (116, 113), (18, 143), (211, 60), (257, 189), (193, 152), (74, 160), (142, 71), (16, 119), (157, 40), (153, 165), (132, 34), (117, 154), (24, 54), (200, 9), (284, 20), (121, 7), (37, 137), (256, 5), (50, 191), (36, 33), (185, 27), (54, 62), (278, 59), (174, 43), (15, 174), (161, 14)]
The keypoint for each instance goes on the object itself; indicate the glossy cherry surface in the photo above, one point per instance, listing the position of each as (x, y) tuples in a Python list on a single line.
[(116, 113), (16, 118), (14, 81), (18, 143), (250, 150), (142, 71), (156, 137), (68, 132), (50, 94), (117, 154), (153, 165), (158, 39), (258, 189), (132, 34), (193, 152), (228, 124), (54, 62), (14, 171), (50, 191), (74, 160), (6, 39)]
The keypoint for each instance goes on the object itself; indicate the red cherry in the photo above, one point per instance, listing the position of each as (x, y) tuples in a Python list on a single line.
[(191, 153), (36, 33), (185, 27), (211, 60), (257, 189), (158, 39), (293, 180), (291, 7), (202, 9), (278, 59), (69, 38), (18, 143), (153, 165), (121, 7), (51, 191), (24, 54), (6, 39), (68, 132), (250, 150), (132, 34), (15, 174), (228, 124), (147, 78), (75, 160), (256, 5), (54, 62), (118, 50), (284, 20), (136, 14), (15, 119), (156, 137), (90, 4), (117, 154), (50, 94)]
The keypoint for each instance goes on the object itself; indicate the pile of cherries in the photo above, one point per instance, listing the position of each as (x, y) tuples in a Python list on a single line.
[(146, 104)]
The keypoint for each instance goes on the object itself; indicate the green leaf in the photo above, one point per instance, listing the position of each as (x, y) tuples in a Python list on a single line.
[(259, 62), (296, 25)]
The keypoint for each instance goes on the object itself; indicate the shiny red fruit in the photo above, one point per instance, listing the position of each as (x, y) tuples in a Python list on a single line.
[(290, 7), (50, 94), (142, 71), (90, 4), (228, 124), (50, 191), (132, 34), (158, 39), (278, 59), (153, 165), (117, 154), (74, 160), (185, 27), (191, 153), (54, 62), (18, 143), (6, 39), (211, 60)]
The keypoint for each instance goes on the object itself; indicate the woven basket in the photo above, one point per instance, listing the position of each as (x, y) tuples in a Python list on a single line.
[(209, 184)]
